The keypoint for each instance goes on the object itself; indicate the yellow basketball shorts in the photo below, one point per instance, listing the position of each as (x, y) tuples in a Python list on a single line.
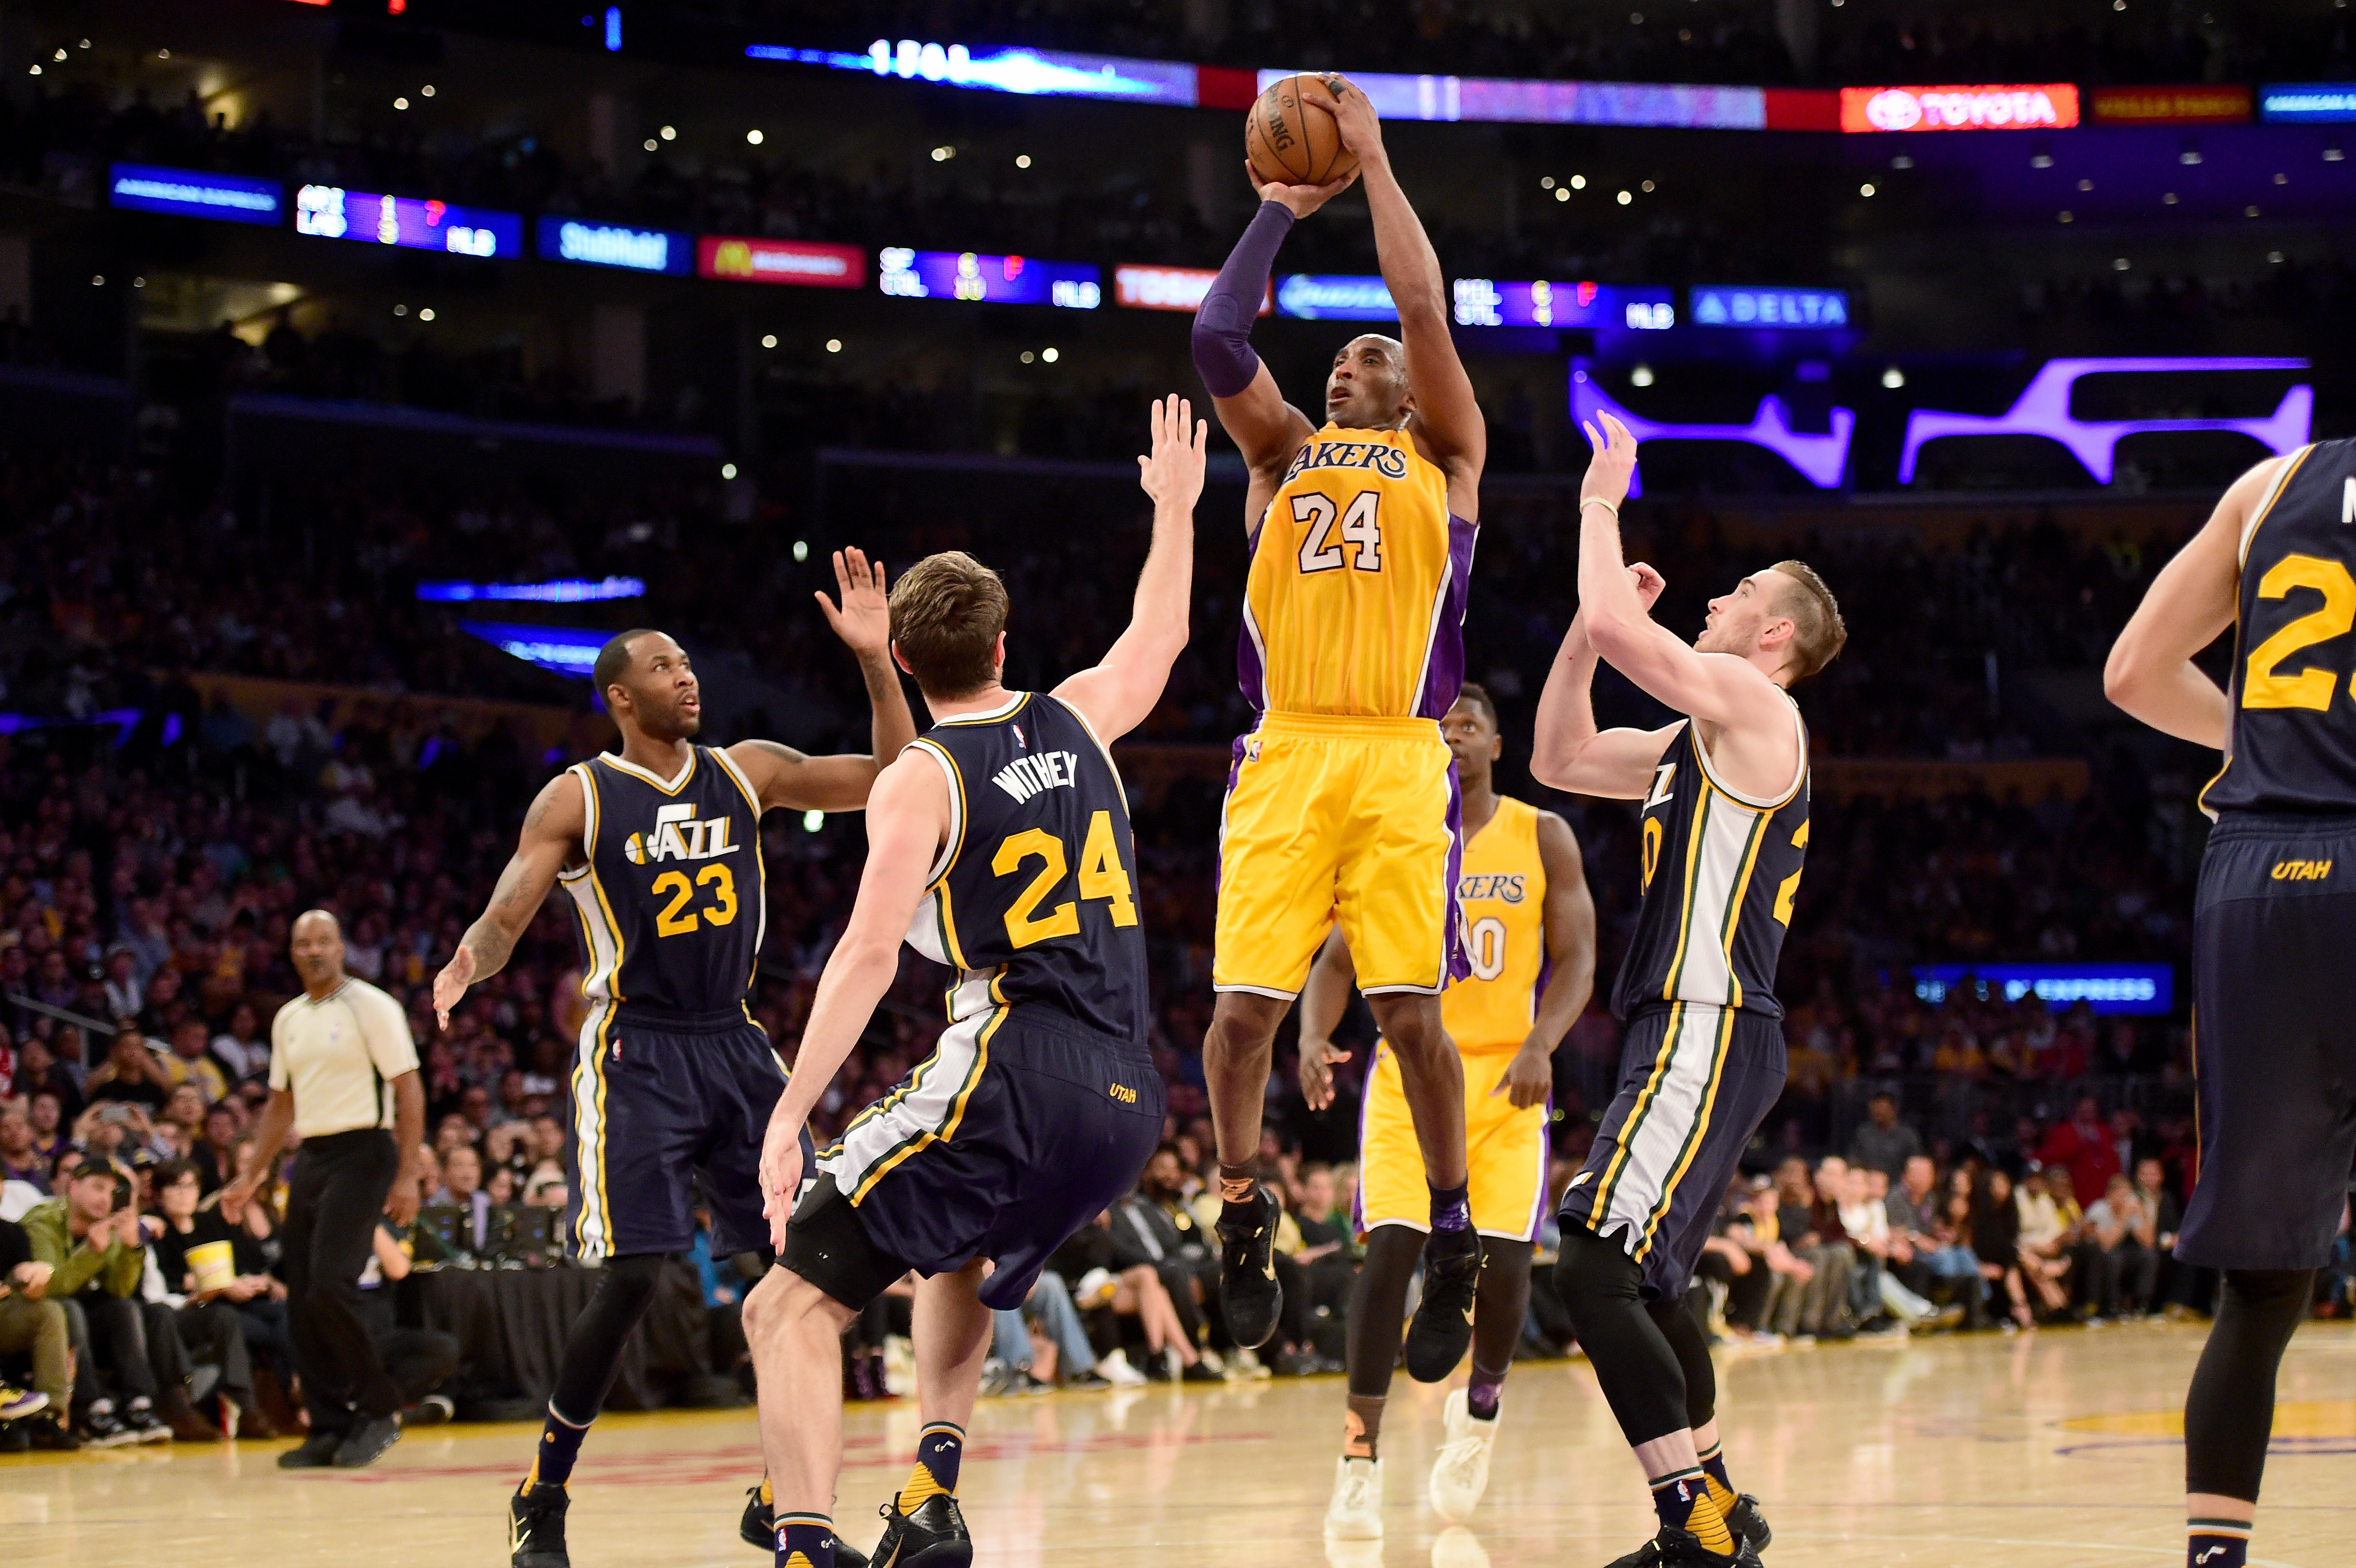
[(1327, 819), (1504, 1153)]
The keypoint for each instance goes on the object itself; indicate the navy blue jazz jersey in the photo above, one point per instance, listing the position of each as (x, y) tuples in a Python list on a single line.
[(1041, 1102), (2274, 1056), (672, 1079), (1719, 873), (1033, 898)]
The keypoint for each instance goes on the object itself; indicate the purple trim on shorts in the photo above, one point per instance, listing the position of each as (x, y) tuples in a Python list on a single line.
[(1459, 966), (1235, 772), (1546, 1160), (1444, 675)]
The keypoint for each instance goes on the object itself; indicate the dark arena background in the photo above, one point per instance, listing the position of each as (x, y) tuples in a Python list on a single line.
[(365, 364)]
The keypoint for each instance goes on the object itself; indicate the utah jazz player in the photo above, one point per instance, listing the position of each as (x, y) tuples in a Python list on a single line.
[(2273, 1058), (1341, 807), (659, 848), (1724, 831), (1000, 846), (1529, 935)]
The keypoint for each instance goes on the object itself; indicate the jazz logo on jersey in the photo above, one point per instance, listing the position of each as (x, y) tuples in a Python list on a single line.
[(1026, 776), (1381, 456), (680, 835)]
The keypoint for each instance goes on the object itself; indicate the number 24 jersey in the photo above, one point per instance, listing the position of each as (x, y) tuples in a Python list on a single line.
[(1032, 899)]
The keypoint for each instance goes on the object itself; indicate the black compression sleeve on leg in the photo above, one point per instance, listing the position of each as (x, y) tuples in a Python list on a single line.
[(2229, 1413), (1503, 1306), (1379, 1307), (592, 1351), (1642, 1381), (1681, 1325)]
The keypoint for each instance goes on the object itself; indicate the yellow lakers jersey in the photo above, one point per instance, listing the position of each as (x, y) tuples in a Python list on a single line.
[(1355, 604), (1502, 893)]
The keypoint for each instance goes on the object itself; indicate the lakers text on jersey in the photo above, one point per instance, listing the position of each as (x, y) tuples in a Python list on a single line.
[(1041, 1102), (2274, 1059), (1342, 803), (1500, 894), (1703, 1062), (671, 1076)]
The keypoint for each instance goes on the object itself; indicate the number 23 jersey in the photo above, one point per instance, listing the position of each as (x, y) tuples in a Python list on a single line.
[(1032, 899), (672, 901)]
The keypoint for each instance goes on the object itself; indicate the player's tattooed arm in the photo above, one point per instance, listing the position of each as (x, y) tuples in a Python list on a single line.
[(1447, 420), (1570, 955), (2150, 674), (784, 777), (552, 834)]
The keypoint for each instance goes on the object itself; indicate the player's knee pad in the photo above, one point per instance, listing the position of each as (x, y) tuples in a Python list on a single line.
[(1592, 1271)]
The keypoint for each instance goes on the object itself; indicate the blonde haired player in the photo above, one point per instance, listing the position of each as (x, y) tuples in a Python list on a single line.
[(1342, 807), (1530, 935)]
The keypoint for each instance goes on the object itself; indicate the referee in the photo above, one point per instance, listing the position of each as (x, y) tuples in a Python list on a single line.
[(342, 1069)]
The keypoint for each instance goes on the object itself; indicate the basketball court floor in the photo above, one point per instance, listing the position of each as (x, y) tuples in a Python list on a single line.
[(2053, 1449)]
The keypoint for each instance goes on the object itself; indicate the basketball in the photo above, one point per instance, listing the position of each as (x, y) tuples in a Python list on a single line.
[(1290, 134)]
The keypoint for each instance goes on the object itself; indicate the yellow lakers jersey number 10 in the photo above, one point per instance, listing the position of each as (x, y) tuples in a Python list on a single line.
[(1502, 893), (1354, 606)]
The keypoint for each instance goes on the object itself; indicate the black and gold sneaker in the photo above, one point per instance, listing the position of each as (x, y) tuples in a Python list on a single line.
[(1745, 1519), (759, 1528), (1250, 1300), (1442, 1328), (934, 1536), (1675, 1548), (536, 1528)]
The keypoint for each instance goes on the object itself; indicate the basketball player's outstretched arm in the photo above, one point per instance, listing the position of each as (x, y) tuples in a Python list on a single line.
[(1116, 696), (1570, 958), (784, 778), (551, 832), (1566, 751), (1447, 420), (1264, 428), (907, 819), (2150, 673), (1722, 688)]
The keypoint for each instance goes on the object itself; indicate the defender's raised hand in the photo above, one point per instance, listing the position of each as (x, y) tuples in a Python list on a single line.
[(1173, 472), (1354, 116), (1614, 466), (864, 620)]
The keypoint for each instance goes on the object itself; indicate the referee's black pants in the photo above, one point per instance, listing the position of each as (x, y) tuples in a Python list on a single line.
[(332, 1203)]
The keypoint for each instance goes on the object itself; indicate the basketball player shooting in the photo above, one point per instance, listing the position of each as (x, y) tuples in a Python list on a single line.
[(1724, 832), (659, 848), (2275, 1063), (1342, 806), (998, 845)]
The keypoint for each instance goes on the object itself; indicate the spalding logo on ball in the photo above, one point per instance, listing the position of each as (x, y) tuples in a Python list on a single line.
[(1291, 137)]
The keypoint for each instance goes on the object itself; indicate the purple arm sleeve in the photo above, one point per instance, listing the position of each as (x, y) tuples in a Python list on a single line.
[(1223, 351)]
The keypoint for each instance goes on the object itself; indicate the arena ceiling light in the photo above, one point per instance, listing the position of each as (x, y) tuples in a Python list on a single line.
[(1820, 459), (552, 591), (568, 650)]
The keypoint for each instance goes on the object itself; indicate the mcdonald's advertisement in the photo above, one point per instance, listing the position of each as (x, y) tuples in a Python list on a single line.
[(816, 266)]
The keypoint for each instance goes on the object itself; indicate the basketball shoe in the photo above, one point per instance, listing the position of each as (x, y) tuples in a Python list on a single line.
[(1745, 1519), (536, 1528), (1461, 1472), (1356, 1512), (1249, 1297), (759, 1528), (1675, 1548), (934, 1536), (1443, 1329)]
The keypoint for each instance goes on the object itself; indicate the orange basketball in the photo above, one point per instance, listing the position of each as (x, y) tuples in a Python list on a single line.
[(1291, 137)]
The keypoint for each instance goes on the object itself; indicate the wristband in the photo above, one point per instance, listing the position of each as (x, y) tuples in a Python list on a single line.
[(1587, 501)]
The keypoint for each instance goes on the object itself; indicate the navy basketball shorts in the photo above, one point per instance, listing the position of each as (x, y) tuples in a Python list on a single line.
[(1695, 1083), (664, 1104), (2274, 1041), (1020, 1128)]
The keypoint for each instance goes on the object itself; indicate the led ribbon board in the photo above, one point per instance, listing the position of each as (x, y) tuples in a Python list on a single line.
[(1821, 459), (2051, 106), (615, 245), (1322, 296), (190, 193), (557, 590), (568, 650), (2145, 989), (1485, 301), (1143, 287), (2308, 103), (1005, 280), (1509, 101), (2043, 408), (801, 261), (1803, 308), (1030, 72), (332, 212)]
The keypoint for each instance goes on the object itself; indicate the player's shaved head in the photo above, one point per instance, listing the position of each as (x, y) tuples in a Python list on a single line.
[(1366, 388), (646, 681), (614, 658)]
